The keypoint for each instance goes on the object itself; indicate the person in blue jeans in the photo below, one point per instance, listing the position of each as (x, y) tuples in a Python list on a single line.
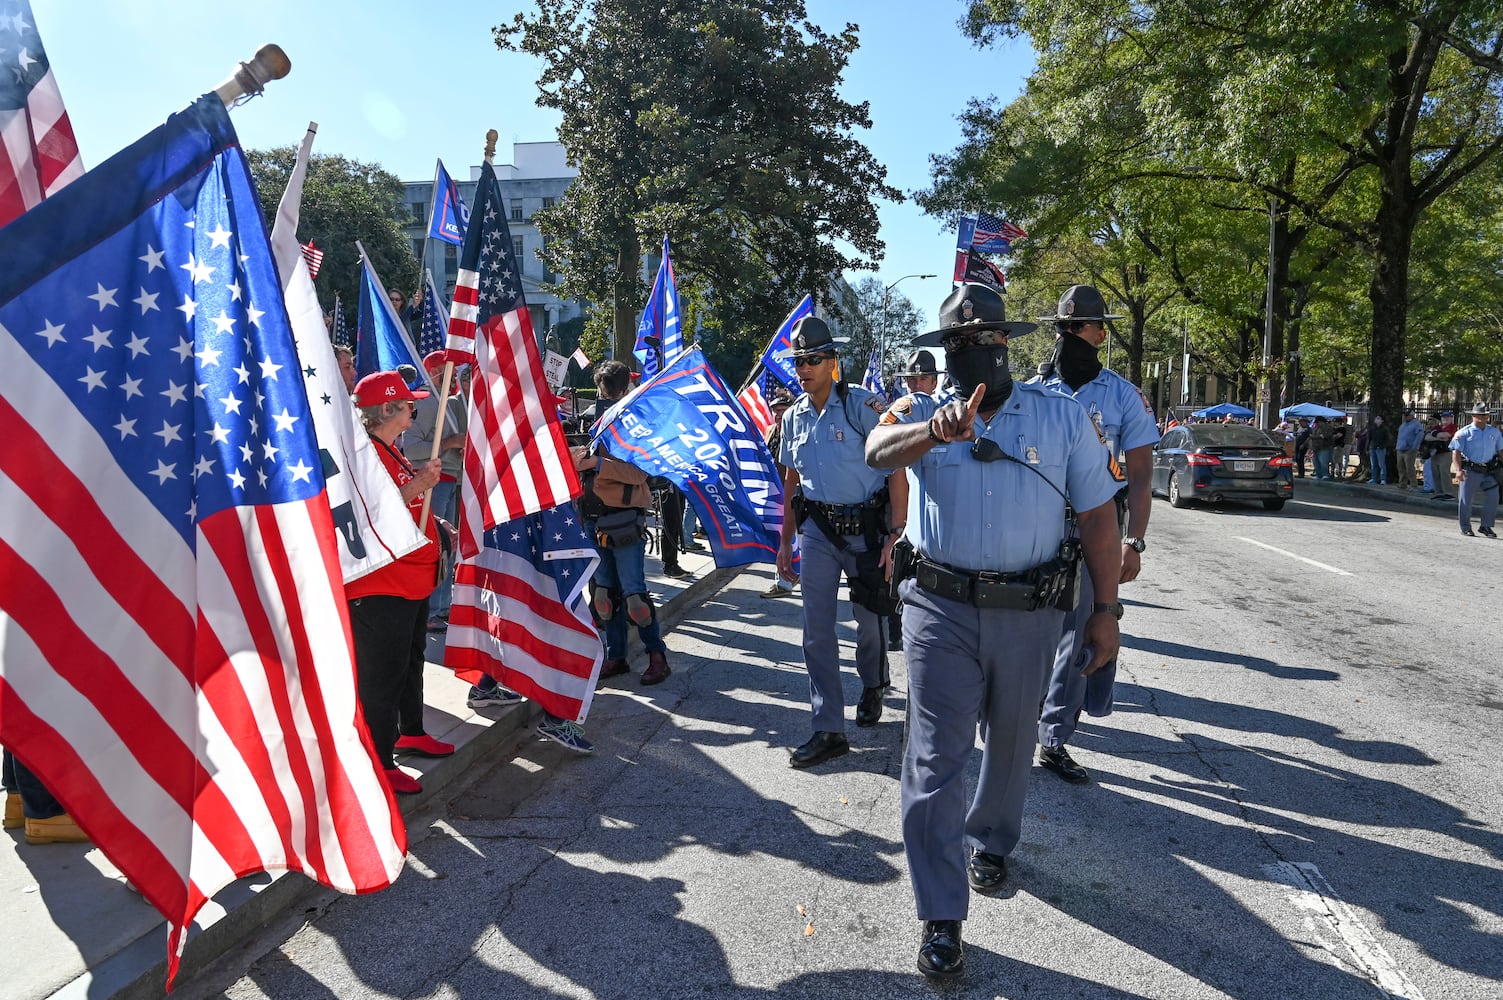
[(1379, 440)]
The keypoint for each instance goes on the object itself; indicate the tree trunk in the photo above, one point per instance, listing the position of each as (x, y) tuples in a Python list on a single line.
[(1389, 294), (628, 264)]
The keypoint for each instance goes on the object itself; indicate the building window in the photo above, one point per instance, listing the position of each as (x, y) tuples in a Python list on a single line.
[(516, 249), (451, 272), (419, 211), (516, 210), (451, 252), (547, 202), (417, 249)]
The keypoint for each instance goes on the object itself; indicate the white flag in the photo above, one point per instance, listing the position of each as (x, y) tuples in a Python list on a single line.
[(580, 358), (374, 524)]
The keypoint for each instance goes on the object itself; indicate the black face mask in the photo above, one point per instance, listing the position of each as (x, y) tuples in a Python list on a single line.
[(1076, 360), (982, 366)]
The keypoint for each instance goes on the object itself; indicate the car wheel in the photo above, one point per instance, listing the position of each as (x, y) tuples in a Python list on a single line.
[(1176, 499), (1273, 504)]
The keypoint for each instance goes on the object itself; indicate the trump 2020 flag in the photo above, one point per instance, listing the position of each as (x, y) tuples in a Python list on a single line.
[(778, 356), (449, 217), (373, 524), (685, 424), (178, 668), (660, 321), (381, 338)]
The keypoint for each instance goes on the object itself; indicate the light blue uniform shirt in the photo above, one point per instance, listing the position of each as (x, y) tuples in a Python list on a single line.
[(828, 451), (999, 516), (1478, 444), (1118, 408)]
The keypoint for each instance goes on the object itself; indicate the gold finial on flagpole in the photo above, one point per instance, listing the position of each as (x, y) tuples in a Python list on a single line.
[(491, 136), (250, 78)]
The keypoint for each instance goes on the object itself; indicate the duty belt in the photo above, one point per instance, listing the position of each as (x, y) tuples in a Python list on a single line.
[(1027, 591), (1482, 467), (846, 518)]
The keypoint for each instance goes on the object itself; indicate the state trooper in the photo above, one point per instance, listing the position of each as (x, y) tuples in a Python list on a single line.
[(840, 508), (992, 465), (1124, 418), (921, 377), (1477, 461)]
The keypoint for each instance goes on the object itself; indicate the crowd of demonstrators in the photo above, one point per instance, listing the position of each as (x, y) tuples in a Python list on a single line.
[(1477, 462), (389, 608), (844, 519), (417, 446)]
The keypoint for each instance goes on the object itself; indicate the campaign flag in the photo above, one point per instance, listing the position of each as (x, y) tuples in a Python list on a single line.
[(517, 461), (435, 319), (778, 356), (521, 613), (315, 258), (449, 216), (971, 266), (755, 404), (987, 234), (381, 338), (178, 668), (872, 380), (38, 154), (684, 424), (372, 523), (341, 332), (660, 321)]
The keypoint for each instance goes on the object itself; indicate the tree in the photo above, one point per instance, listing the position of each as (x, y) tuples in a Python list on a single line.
[(718, 123), (344, 200), (891, 324)]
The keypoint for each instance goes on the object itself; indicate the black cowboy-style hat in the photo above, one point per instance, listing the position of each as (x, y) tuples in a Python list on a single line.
[(972, 308), (1080, 303), (920, 362), (811, 335)]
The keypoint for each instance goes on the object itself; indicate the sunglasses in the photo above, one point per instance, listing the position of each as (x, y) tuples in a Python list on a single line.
[(812, 361), (979, 338)]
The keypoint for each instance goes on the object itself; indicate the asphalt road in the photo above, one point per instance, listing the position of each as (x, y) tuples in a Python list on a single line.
[(1296, 797)]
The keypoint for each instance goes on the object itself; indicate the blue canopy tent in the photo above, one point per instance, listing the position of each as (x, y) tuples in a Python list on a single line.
[(1310, 410), (1225, 410)]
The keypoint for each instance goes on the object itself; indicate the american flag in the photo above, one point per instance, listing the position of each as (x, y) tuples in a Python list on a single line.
[(38, 154), (315, 258), (341, 330), (517, 461), (754, 403), (178, 668), (520, 612), (988, 234), (777, 358), (873, 378), (435, 321)]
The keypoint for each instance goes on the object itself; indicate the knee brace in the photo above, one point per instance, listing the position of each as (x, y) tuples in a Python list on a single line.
[(640, 610), (604, 602)]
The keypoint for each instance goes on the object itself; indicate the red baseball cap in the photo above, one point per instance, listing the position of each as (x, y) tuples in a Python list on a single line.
[(436, 359), (385, 387)]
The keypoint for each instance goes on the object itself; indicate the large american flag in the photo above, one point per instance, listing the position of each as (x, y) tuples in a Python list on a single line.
[(753, 400), (517, 461), (178, 668), (989, 234), (435, 330), (38, 154)]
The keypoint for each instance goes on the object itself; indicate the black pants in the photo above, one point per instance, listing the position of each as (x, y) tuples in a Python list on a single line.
[(36, 801), (672, 529), (391, 641)]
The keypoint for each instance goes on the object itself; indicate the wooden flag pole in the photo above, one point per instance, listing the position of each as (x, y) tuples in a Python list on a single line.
[(250, 78), (441, 416)]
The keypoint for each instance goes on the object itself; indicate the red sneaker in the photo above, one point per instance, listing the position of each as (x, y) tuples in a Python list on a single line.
[(424, 746), (401, 782)]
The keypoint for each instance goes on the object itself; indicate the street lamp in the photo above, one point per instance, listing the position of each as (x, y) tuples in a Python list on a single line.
[(885, 293)]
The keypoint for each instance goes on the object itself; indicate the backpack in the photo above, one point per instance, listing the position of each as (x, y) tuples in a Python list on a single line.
[(609, 484)]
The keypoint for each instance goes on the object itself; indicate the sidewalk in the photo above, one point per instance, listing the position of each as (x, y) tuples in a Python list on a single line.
[(1329, 490), (76, 932)]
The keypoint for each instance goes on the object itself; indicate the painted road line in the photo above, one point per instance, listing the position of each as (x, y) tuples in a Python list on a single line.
[(1313, 895), (1291, 555)]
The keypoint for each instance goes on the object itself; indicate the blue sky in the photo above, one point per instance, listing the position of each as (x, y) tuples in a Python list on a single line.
[(402, 83)]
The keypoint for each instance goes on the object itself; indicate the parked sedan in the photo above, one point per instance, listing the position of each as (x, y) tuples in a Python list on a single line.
[(1222, 462)]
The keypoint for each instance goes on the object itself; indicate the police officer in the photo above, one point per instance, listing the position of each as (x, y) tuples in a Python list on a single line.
[(1477, 461), (836, 506), (1125, 421), (991, 466), (921, 375)]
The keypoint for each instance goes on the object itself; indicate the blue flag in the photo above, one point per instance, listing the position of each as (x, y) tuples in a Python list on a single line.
[(684, 424), (341, 334), (660, 319), (449, 217), (986, 233), (381, 339), (435, 319), (873, 378), (778, 358)]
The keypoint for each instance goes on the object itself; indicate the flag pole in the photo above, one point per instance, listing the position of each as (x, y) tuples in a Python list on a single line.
[(250, 78), (442, 415)]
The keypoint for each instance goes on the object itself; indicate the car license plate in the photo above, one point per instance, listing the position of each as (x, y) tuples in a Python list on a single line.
[(1244, 466)]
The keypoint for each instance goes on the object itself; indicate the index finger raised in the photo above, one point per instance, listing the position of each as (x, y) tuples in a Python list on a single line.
[(973, 405)]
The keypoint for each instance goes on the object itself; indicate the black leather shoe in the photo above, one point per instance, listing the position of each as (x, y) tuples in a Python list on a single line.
[(1469, 532), (820, 748), (1488, 532), (986, 872), (941, 955), (869, 710), (1058, 760)]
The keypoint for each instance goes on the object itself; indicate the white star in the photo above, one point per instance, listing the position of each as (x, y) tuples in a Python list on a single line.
[(223, 323), (168, 433), (189, 224), (200, 271), (255, 426), (26, 60), (235, 293), (237, 480), (152, 259), (569, 521), (53, 332), (132, 387), (563, 572), (163, 472), (175, 393), (105, 296), (127, 428), (261, 477), (147, 301), (245, 453), (254, 315), (300, 471), (137, 346), (198, 390), (231, 403), (204, 466), (208, 356), (557, 537), (516, 537), (271, 451), (243, 372), (192, 511), (99, 338), (269, 369), (184, 349), (219, 435), (19, 24), (189, 308), (92, 379), (284, 420), (220, 237)]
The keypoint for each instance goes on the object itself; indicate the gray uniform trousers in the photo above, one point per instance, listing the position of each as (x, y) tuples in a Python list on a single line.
[(967, 666), (822, 565), (1069, 691), (1488, 485)]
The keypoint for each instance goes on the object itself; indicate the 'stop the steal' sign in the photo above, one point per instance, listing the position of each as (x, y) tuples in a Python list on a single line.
[(685, 425)]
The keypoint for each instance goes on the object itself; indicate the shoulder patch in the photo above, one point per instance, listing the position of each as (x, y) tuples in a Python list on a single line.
[(901, 408), (874, 403), (1112, 465)]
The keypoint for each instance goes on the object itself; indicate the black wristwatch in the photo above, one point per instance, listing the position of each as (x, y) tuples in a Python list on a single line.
[(1114, 609), (1136, 544)]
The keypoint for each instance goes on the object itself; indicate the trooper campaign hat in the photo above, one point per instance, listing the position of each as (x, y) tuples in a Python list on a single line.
[(1080, 303), (1481, 410), (811, 335), (972, 307), (920, 362)]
